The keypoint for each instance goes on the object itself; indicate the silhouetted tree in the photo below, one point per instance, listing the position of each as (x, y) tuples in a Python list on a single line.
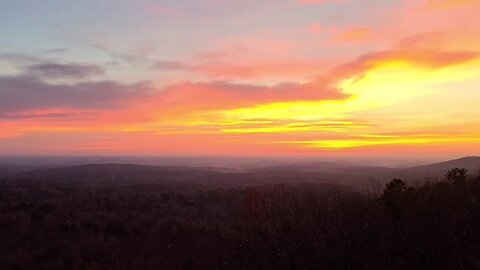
[(394, 197), (457, 176), (396, 186)]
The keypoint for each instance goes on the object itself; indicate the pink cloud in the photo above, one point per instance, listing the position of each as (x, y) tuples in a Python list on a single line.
[(428, 41), (320, 1), (283, 69), (9, 135), (161, 9), (315, 28)]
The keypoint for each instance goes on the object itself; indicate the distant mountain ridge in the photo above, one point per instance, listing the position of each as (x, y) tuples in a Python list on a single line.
[(472, 164), (114, 170), (294, 172)]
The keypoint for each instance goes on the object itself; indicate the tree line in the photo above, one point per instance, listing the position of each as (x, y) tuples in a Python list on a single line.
[(63, 225)]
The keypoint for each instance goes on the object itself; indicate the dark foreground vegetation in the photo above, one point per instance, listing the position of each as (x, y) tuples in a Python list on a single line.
[(53, 223)]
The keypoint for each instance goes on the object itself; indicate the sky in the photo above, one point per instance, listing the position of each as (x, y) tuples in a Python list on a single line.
[(244, 77)]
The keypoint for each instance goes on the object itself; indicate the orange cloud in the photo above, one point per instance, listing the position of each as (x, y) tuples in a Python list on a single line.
[(375, 103), (222, 95), (224, 107), (354, 35), (450, 3)]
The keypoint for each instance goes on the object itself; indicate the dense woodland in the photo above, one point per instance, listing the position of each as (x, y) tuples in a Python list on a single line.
[(62, 222)]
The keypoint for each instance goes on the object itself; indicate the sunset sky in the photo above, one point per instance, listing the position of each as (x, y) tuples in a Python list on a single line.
[(240, 77)]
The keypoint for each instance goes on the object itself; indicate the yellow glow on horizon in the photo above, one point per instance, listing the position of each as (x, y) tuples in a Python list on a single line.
[(374, 140), (383, 86), (333, 126)]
